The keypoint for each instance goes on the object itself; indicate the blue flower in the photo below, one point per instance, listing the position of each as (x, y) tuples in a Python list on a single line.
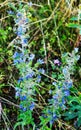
[(24, 41), (24, 109), (16, 54), (68, 84), (30, 4), (32, 106), (30, 75), (55, 97), (22, 98), (54, 117), (76, 50), (66, 92), (17, 94), (20, 79), (26, 20), (31, 57), (63, 100), (54, 83), (20, 31), (50, 91), (19, 14), (40, 61), (65, 71), (18, 61), (41, 70), (21, 106), (38, 78), (18, 89), (10, 12)]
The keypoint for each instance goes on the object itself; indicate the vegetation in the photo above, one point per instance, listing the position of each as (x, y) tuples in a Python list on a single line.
[(40, 70)]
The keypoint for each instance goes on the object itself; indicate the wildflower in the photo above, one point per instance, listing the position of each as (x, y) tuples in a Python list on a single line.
[(18, 89), (24, 109), (66, 92), (10, 12), (30, 4), (65, 71), (76, 50), (57, 62), (16, 54), (31, 57), (24, 41), (20, 80), (40, 61), (22, 98), (54, 83), (68, 84), (19, 14), (17, 94), (50, 91), (38, 78), (63, 100), (30, 75), (54, 117), (21, 106), (55, 97), (31, 107), (21, 30), (41, 70)]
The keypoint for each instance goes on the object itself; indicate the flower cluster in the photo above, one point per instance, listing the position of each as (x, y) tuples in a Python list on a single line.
[(22, 60), (62, 88), (57, 62)]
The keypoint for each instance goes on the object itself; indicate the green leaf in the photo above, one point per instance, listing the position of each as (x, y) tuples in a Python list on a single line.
[(79, 121), (70, 115), (73, 25), (17, 124), (74, 18)]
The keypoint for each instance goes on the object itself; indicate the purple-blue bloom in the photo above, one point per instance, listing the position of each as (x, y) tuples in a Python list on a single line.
[(24, 109), (54, 117), (20, 79), (54, 83), (21, 30), (24, 40), (30, 75), (10, 12), (16, 54), (55, 97), (63, 101), (40, 61), (21, 106), (31, 57), (57, 62), (17, 94), (30, 3), (65, 71), (41, 70), (38, 78), (19, 14), (50, 91), (66, 92), (32, 106), (22, 98)]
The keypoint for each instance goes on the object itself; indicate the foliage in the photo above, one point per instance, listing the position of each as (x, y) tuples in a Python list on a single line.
[(74, 111), (40, 65)]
